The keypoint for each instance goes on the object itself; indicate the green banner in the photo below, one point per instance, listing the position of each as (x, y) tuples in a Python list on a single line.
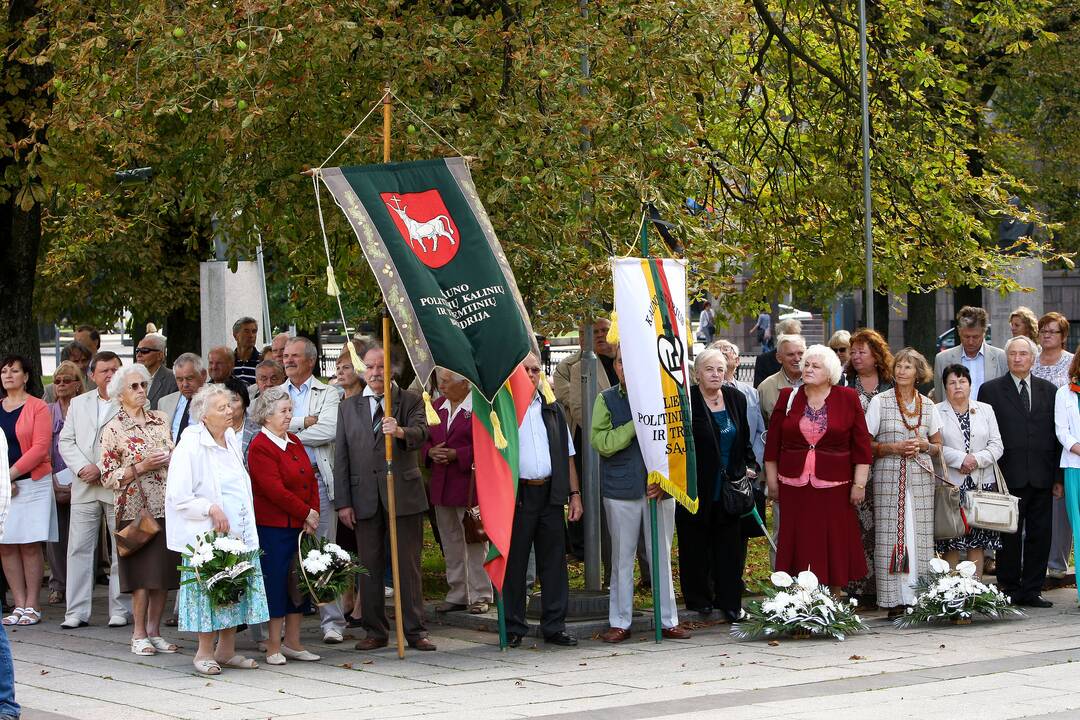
[(442, 271)]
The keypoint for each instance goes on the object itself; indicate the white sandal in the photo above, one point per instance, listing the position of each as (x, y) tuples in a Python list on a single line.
[(207, 666), (142, 646), (14, 617), (162, 645)]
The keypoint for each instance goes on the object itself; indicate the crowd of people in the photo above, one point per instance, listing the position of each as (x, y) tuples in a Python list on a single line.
[(840, 438)]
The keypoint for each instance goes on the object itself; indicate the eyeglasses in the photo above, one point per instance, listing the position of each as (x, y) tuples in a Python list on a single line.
[(1048, 331), (532, 371), (137, 385), (145, 351), (63, 381)]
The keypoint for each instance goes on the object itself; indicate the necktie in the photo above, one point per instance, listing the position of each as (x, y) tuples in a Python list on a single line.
[(376, 418), (183, 420), (1025, 398)]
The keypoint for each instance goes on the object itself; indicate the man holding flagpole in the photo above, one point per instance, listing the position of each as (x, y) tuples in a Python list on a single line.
[(623, 479), (548, 482)]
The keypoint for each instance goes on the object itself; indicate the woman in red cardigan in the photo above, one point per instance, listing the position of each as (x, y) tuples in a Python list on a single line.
[(286, 496), (27, 426), (817, 460)]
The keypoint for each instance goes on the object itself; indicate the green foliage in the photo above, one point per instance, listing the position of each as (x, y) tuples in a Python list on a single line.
[(753, 111)]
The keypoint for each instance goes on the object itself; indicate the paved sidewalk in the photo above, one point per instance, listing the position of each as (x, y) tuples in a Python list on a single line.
[(993, 671)]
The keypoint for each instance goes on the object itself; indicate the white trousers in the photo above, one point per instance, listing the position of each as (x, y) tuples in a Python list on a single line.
[(626, 518), (83, 534), (330, 616), (465, 574)]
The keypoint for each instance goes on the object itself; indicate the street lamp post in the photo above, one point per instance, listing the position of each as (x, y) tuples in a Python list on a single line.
[(867, 201)]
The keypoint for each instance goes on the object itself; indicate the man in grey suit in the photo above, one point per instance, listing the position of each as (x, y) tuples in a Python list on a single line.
[(151, 354), (190, 376), (985, 362), (361, 500), (79, 446)]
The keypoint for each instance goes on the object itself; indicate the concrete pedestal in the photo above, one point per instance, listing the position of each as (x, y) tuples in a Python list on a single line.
[(225, 296), (1027, 272)]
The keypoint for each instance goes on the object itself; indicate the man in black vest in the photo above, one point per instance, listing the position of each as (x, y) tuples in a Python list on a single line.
[(547, 480), (1024, 406), (623, 478)]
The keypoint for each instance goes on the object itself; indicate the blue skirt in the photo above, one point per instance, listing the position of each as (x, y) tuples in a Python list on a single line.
[(279, 546), (198, 615)]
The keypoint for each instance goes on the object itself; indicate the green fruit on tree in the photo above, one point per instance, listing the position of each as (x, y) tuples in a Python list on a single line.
[(633, 48), (544, 73), (538, 163), (118, 113), (411, 129), (616, 127), (241, 104), (525, 179), (178, 32), (241, 45)]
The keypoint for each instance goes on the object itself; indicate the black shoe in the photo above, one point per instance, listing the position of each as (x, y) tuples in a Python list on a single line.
[(561, 638), (704, 612), (1036, 602), (732, 616), (513, 640)]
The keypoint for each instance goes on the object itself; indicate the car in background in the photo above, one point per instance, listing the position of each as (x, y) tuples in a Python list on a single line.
[(788, 312), (950, 339)]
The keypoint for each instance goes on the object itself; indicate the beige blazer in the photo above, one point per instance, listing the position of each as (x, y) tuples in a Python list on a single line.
[(80, 445), (320, 436)]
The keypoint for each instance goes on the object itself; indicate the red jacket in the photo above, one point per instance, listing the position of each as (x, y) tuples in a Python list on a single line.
[(283, 485), (34, 431), (450, 483), (845, 444)]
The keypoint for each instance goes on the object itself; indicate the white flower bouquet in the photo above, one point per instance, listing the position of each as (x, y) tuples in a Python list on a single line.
[(800, 607), (955, 595), (326, 568), (221, 565)]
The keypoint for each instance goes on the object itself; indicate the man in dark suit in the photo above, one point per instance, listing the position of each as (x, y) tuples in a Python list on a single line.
[(547, 483), (1024, 406), (360, 497)]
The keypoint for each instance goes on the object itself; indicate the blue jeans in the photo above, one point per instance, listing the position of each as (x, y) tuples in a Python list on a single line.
[(8, 706)]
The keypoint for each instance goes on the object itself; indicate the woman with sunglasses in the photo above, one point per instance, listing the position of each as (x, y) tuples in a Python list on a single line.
[(135, 450)]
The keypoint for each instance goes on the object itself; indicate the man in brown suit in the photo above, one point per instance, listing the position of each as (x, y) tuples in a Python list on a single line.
[(361, 499)]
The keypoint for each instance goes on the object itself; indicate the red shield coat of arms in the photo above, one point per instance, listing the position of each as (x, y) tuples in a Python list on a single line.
[(425, 225)]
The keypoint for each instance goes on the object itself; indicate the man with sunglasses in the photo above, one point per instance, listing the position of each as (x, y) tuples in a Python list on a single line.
[(151, 354)]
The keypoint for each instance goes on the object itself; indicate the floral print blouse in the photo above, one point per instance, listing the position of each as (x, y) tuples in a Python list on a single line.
[(124, 442)]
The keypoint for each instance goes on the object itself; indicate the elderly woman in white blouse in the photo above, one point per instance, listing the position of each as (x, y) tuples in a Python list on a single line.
[(209, 489), (971, 444), (1067, 428)]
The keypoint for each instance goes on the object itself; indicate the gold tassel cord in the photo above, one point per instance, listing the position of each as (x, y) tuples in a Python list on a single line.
[(545, 388), (613, 331), (358, 365), (331, 282), (429, 410), (496, 431)]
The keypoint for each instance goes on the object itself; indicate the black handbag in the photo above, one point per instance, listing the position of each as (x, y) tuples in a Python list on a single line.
[(737, 496)]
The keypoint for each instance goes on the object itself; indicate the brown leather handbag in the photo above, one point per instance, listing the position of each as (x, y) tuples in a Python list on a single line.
[(471, 522), (139, 532)]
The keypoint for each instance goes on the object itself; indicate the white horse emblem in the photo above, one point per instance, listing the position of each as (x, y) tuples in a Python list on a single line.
[(419, 232)]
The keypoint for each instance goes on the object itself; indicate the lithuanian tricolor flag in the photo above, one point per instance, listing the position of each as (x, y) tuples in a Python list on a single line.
[(650, 299)]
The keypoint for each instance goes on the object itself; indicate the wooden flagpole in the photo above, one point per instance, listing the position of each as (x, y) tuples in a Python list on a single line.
[(388, 384)]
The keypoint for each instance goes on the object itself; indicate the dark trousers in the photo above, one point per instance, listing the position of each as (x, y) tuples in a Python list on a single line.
[(539, 524), (371, 534), (1021, 561), (712, 553)]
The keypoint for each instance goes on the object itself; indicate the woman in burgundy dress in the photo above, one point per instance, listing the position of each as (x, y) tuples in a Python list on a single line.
[(817, 460)]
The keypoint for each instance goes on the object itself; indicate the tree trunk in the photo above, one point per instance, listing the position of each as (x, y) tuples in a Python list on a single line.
[(920, 331), (881, 314), (20, 229), (969, 295), (183, 330)]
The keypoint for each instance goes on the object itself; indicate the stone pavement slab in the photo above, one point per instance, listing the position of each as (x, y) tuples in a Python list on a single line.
[(1009, 669)]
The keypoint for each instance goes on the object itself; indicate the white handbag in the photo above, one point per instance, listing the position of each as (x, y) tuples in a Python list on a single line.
[(993, 509)]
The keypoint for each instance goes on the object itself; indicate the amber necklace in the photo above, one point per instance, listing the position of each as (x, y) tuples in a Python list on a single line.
[(904, 414)]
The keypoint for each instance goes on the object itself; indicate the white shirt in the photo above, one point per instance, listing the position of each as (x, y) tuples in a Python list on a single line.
[(5, 483), (102, 411), (465, 404), (976, 366), (282, 443), (181, 404), (873, 416), (373, 401), (534, 457)]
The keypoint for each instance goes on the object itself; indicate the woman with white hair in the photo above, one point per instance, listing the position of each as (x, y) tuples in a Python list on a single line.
[(817, 460), (712, 549), (209, 489), (135, 450), (449, 453)]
